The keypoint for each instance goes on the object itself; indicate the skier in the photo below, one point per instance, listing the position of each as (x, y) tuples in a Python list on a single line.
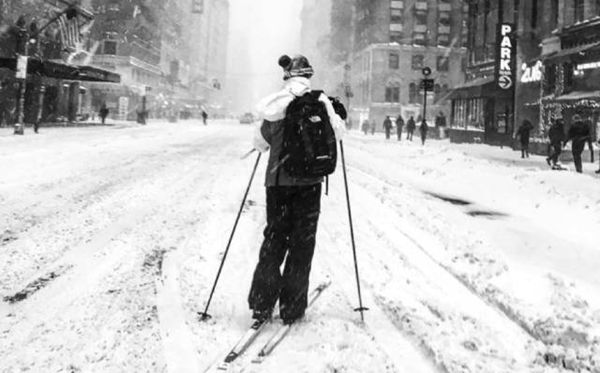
[(293, 204), (523, 133), (556, 134), (423, 128), (579, 134), (365, 126), (410, 128), (387, 126), (399, 125), (103, 112), (204, 117)]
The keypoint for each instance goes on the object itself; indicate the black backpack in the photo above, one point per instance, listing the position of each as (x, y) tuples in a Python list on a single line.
[(309, 145)]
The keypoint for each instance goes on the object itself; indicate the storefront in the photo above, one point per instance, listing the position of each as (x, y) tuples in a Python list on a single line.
[(53, 91)]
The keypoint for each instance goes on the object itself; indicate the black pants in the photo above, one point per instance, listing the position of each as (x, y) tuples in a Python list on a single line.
[(292, 218), (556, 150), (577, 149), (387, 134), (409, 135), (525, 150)]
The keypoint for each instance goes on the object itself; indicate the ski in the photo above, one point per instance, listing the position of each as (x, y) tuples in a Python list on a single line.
[(283, 330), (240, 347)]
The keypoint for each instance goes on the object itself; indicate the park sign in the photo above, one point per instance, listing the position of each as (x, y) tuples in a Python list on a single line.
[(505, 63)]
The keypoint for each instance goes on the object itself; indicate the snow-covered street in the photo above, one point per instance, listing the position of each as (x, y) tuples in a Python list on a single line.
[(470, 259)]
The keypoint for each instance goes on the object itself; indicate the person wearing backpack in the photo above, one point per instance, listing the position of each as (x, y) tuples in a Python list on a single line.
[(300, 129)]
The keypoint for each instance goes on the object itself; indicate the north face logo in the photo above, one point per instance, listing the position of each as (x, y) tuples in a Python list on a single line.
[(315, 119)]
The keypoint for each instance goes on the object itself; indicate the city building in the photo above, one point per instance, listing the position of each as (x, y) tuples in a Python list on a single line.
[(571, 62), (55, 78), (550, 54), (393, 41), (171, 55)]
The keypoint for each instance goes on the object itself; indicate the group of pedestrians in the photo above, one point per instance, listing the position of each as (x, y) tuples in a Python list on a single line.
[(411, 127), (579, 134)]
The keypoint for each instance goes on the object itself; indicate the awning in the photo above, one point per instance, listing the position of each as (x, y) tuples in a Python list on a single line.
[(579, 95), (480, 87), (57, 70), (565, 53)]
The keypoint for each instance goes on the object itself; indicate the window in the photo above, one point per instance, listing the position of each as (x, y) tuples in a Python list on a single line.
[(110, 47), (392, 94), (550, 79), (442, 63), (417, 62), (396, 37), (579, 9), (394, 61), (412, 93)]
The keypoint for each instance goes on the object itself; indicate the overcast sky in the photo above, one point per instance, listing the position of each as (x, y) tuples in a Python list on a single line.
[(260, 32)]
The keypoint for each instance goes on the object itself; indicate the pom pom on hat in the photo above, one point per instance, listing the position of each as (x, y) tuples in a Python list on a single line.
[(296, 66)]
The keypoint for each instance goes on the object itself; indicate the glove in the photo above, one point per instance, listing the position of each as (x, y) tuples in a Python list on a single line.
[(338, 107)]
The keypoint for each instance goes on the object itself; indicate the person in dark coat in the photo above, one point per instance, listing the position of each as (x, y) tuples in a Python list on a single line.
[(204, 117), (103, 112), (556, 135), (579, 134), (440, 120), (365, 126), (423, 128), (410, 128), (387, 126), (293, 205), (399, 125), (524, 132)]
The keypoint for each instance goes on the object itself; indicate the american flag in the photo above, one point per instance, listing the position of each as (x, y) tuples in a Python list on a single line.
[(70, 35)]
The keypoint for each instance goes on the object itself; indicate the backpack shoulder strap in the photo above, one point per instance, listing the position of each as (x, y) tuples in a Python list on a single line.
[(316, 94)]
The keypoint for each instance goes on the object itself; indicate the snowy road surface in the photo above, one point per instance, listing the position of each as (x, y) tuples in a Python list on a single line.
[(470, 261)]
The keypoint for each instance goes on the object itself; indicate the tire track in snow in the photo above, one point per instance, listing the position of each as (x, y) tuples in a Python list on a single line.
[(397, 346)]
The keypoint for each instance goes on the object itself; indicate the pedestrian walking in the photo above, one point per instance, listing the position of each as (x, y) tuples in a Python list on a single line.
[(387, 126), (410, 128), (423, 128), (399, 125), (103, 112), (365, 126), (293, 202), (579, 134), (524, 132), (204, 117), (556, 135)]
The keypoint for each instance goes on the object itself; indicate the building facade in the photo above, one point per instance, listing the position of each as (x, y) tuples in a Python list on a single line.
[(171, 54), (393, 41), (556, 45), (54, 88)]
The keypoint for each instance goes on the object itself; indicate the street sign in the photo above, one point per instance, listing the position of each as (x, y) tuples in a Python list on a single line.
[(21, 67), (427, 84)]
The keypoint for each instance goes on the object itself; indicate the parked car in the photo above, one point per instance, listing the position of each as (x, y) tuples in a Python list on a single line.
[(247, 118)]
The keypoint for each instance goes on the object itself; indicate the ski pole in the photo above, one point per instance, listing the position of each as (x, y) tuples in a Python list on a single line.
[(361, 308), (204, 315)]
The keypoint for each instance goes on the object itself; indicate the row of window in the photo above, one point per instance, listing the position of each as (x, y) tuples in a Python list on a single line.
[(415, 95), (418, 62)]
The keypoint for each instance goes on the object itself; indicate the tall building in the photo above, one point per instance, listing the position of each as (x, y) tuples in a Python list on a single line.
[(56, 79), (528, 60), (570, 55), (173, 52), (393, 41)]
